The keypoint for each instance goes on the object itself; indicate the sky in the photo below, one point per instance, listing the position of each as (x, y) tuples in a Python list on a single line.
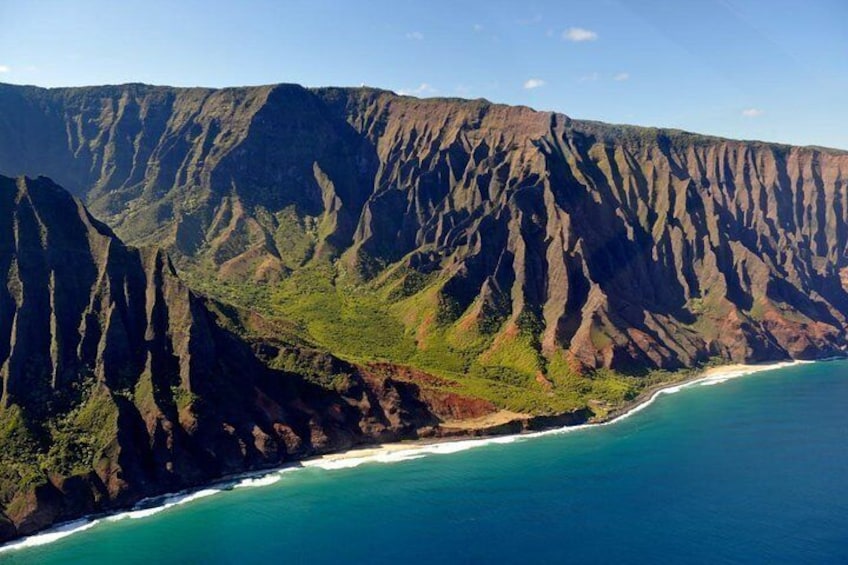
[(771, 70)]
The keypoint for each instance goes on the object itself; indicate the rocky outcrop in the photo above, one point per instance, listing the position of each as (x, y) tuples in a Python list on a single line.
[(614, 246)]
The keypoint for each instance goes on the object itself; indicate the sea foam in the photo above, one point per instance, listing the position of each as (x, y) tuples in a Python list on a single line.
[(51, 535)]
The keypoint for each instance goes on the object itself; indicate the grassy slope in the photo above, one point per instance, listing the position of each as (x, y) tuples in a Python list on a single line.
[(398, 318)]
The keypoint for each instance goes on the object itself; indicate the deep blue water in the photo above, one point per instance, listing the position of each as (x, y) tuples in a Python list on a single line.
[(751, 470)]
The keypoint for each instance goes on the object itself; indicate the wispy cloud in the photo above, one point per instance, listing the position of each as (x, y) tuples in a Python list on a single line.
[(621, 76), (415, 35), (477, 27), (537, 19), (752, 112), (5, 69), (578, 34), (423, 89), (591, 77), (463, 90), (532, 83)]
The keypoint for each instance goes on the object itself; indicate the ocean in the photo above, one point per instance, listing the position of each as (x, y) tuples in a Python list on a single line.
[(749, 470)]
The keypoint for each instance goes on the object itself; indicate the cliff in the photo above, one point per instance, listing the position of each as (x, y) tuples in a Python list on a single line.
[(596, 245)]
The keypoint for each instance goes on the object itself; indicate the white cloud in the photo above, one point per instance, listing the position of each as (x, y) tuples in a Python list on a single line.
[(415, 35), (591, 77), (463, 90), (533, 83), (579, 34), (5, 69), (423, 89), (752, 112), (478, 27), (621, 76)]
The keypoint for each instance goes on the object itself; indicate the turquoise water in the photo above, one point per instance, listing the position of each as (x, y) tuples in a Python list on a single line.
[(751, 470)]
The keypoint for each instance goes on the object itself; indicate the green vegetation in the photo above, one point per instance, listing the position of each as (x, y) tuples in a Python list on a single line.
[(295, 237), (344, 318), (247, 294), (183, 398), (67, 443), (404, 317), (18, 459), (78, 438)]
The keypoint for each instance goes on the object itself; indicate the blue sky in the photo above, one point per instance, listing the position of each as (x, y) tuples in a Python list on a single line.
[(773, 70)]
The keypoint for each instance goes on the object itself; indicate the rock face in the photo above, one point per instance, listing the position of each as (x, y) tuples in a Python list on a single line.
[(118, 382), (613, 246)]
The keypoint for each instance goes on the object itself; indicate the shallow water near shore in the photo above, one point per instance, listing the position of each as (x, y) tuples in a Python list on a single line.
[(752, 470)]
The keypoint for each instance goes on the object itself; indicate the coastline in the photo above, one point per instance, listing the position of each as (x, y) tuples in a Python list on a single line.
[(383, 452), (393, 452)]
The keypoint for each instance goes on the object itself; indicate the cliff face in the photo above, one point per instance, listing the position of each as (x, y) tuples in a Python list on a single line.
[(118, 382), (611, 246)]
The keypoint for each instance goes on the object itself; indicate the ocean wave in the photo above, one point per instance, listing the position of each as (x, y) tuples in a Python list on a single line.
[(262, 481), (151, 506), (51, 535)]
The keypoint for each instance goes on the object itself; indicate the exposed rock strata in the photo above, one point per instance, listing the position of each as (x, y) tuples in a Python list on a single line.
[(625, 247)]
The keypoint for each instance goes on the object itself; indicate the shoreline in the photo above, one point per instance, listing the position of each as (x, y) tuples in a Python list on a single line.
[(712, 375), (709, 376), (391, 452)]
